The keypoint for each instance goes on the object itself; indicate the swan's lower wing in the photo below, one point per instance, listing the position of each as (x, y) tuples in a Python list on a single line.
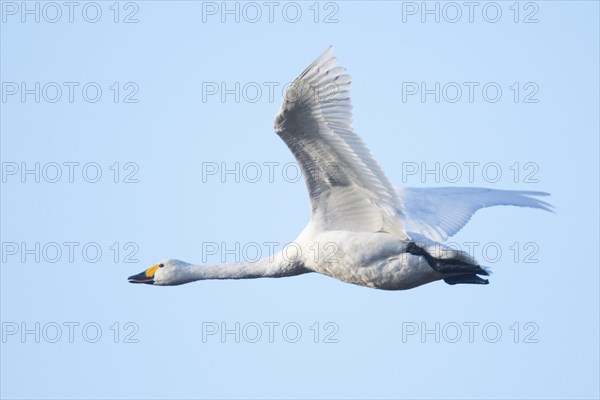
[(438, 213), (347, 188)]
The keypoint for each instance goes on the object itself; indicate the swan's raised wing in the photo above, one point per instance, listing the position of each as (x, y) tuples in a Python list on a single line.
[(348, 189), (438, 213)]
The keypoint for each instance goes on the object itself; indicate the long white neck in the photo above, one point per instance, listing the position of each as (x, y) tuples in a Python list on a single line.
[(274, 266)]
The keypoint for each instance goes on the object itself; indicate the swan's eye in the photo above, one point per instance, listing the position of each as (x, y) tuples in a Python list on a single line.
[(161, 265)]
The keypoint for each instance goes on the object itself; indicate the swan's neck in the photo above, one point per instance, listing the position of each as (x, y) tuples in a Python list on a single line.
[(274, 266)]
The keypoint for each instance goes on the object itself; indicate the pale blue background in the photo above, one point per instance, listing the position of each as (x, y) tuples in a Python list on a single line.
[(170, 212)]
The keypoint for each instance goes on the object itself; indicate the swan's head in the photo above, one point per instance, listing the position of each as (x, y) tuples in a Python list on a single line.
[(168, 272)]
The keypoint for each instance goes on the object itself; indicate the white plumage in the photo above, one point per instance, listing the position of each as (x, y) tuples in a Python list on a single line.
[(438, 213), (363, 230), (347, 187)]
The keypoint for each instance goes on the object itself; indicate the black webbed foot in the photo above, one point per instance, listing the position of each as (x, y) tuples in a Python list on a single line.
[(466, 278), (446, 265)]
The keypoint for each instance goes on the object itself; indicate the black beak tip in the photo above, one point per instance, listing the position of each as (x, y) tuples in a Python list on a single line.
[(140, 278)]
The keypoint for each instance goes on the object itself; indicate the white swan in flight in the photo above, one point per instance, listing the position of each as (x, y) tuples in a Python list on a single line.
[(362, 230)]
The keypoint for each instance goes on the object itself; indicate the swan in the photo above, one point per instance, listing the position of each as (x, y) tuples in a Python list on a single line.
[(362, 230)]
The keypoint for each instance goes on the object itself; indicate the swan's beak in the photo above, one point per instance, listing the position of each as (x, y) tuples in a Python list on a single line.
[(146, 276)]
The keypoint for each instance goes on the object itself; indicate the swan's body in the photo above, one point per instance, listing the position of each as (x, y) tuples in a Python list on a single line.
[(363, 230)]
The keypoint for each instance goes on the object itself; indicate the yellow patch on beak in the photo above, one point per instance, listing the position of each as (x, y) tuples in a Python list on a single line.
[(151, 271)]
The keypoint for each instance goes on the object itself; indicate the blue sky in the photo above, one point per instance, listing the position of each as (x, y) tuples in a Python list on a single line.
[(131, 114)]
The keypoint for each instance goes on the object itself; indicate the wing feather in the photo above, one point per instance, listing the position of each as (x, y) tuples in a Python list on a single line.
[(347, 187), (438, 213)]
